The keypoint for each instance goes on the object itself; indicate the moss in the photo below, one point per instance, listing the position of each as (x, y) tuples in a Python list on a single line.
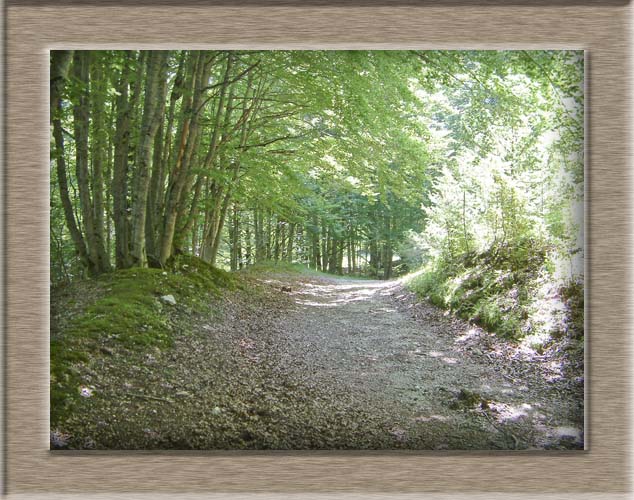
[(127, 312), (490, 288), (573, 295)]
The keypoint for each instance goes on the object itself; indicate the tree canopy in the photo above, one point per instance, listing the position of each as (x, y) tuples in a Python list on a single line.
[(364, 162)]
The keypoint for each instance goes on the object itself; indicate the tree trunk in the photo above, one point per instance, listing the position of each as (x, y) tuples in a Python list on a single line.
[(235, 238), (154, 95), (178, 209), (81, 119), (178, 174), (98, 154), (248, 250), (269, 235), (120, 167), (324, 247), (276, 241), (289, 242), (340, 256), (60, 64), (258, 221), (349, 252), (316, 255)]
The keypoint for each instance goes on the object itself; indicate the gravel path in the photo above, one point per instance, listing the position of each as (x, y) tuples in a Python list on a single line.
[(333, 363), (438, 382)]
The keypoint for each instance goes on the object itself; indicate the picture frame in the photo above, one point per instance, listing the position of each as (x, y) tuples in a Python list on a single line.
[(34, 27)]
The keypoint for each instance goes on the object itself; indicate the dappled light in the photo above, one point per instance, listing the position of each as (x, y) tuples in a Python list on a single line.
[(469, 334), (316, 249), (337, 293)]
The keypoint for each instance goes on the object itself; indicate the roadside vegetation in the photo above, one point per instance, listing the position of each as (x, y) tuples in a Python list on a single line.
[(184, 182)]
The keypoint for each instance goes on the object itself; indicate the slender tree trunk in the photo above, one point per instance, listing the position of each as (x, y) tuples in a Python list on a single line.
[(172, 237), (464, 220), (387, 248), (349, 252), (225, 190), (154, 193), (81, 121), (276, 242), (120, 167), (60, 65), (258, 236), (269, 235), (98, 156), (220, 225), (154, 95), (355, 265), (333, 245), (340, 256), (235, 238), (316, 255), (177, 174), (324, 246), (289, 242), (248, 250)]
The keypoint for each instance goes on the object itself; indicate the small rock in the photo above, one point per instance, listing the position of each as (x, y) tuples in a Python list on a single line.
[(169, 299), (216, 410), (399, 434), (86, 392), (567, 432), (59, 439)]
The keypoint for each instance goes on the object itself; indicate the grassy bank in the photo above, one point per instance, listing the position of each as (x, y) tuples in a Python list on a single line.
[(509, 290), (129, 309)]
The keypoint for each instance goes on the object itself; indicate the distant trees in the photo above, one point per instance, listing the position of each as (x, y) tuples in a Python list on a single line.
[(514, 172), (325, 158)]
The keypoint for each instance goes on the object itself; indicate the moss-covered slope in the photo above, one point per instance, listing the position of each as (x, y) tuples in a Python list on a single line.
[(128, 308), (507, 289)]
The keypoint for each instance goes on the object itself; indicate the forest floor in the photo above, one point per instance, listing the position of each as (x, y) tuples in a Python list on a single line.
[(327, 363)]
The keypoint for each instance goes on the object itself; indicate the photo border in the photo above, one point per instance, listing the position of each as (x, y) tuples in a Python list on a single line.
[(34, 27)]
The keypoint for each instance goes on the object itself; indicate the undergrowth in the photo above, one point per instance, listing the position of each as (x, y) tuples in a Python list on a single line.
[(123, 309), (499, 289)]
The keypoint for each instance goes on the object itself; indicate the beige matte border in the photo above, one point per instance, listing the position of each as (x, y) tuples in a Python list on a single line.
[(32, 469)]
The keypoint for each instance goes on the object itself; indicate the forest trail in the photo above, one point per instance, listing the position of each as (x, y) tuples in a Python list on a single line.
[(439, 382), (334, 363), (174, 234)]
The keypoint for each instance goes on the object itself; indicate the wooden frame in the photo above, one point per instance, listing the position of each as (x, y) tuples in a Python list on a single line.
[(34, 27)]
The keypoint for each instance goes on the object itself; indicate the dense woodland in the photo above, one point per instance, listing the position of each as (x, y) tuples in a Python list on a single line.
[(360, 162), (216, 215)]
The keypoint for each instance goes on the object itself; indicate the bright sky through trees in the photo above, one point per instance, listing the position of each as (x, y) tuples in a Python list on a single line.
[(338, 159), (459, 172)]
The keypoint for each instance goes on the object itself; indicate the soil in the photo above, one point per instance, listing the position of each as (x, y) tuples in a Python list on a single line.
[(328, 363)]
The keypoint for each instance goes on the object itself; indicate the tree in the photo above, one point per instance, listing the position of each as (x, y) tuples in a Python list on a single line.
[(337, 159)]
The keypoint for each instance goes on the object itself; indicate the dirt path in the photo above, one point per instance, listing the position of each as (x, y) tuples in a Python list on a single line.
[(437, 382), (332, 364)]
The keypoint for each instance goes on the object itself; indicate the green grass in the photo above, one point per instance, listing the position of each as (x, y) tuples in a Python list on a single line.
[(127, 311), (492, 288)]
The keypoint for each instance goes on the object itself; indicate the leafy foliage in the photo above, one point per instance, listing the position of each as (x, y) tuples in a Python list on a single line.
[(361, 162)]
